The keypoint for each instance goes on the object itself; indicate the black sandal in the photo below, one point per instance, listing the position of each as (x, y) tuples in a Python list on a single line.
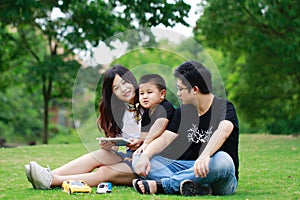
[(160, 189), (137, 187)]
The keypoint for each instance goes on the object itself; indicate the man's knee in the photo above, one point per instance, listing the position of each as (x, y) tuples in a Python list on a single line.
[(222, 167), (221, 160)]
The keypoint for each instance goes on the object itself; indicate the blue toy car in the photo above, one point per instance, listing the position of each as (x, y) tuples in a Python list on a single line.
[(104, 187)]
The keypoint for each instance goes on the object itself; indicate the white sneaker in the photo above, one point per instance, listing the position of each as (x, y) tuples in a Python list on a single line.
[(28, 174), (41, 177)]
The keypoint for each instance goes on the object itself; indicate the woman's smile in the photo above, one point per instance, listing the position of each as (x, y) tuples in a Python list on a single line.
[(127, 93)]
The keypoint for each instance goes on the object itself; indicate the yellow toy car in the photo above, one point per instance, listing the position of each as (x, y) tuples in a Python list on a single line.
[(72, 186)]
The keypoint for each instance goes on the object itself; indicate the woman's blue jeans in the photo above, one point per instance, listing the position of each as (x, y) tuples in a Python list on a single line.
[(221, 177)]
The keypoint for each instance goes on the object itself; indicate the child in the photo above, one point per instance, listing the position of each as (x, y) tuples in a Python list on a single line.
[(158, 111)]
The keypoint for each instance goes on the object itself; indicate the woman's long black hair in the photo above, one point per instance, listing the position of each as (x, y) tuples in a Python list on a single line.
[(111, 108)]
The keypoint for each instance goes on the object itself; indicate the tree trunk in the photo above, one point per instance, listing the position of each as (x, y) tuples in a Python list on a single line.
[(46, 120), (47, 96), (47, 87)]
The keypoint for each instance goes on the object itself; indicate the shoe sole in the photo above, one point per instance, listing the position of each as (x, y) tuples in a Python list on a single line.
[(34, 170), (36, 184), (28, 174), (190, 188)]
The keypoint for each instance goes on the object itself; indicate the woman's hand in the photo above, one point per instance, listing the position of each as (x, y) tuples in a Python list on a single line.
[(105, 145), (135, 144)]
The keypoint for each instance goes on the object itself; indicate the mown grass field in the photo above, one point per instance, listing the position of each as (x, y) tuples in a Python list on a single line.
[(269, 169)]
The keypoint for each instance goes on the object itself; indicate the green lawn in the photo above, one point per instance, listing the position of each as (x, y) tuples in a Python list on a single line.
[(269, 169)]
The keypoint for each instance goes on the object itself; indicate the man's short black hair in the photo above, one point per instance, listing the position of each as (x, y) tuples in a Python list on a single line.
[(193, 73)]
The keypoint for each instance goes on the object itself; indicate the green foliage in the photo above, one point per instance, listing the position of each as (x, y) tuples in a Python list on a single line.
[(63, 135), (154, 12), (262, 174), (261, 40), (19, 117), (41, 43)]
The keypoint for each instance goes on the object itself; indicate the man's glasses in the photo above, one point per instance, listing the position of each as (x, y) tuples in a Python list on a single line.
[(180, 89)]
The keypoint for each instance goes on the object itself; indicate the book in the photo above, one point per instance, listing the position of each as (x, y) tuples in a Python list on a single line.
[(118, 141)]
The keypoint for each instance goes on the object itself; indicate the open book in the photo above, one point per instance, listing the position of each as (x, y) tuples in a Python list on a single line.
[(118, 141)]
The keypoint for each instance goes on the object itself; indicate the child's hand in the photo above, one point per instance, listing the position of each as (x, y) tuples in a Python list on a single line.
[(135, 144), (141, 149)]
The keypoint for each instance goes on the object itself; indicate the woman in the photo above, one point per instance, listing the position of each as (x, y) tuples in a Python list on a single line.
[(119, 95)]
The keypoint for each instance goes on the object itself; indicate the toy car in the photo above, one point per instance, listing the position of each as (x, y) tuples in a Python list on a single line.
[(105, 187), (72, 186)]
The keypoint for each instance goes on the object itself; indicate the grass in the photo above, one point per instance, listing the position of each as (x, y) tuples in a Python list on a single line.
[(269, 169)]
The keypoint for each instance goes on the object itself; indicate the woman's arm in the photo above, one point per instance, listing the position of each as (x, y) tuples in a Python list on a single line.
[(105, 145)]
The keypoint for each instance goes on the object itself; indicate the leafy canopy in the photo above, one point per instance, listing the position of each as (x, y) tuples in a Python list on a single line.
[(40, 39), (262, 40)]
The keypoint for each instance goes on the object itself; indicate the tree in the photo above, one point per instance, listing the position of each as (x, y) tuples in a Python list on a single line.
[(262, 40), (49, 32)]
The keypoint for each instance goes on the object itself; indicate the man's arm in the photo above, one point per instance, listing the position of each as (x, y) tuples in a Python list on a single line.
[(155, 131), (216, 141), (160, 143), (141, 164)]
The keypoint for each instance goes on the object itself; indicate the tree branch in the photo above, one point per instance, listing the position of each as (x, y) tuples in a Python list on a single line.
[(261, 25), (23, 36)]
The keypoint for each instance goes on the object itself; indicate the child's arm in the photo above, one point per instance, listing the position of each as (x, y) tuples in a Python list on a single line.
[(155, 131)]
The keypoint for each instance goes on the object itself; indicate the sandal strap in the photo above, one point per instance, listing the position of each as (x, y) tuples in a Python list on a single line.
[(160, 189), (136, 186), (146, 185)]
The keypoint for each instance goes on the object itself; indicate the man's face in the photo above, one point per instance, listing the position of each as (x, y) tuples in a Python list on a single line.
[(185, 96)]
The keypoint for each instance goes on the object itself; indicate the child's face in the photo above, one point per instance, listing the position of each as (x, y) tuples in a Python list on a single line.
[(150, 95), (122, 89)]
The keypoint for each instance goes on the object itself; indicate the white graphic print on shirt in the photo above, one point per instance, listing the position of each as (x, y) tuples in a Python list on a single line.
[(194, 134)]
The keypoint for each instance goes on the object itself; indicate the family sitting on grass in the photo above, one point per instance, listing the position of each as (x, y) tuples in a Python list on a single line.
[(192, 150)]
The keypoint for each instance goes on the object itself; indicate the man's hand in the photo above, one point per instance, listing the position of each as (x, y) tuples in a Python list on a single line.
[(141, 164), (201, 166)]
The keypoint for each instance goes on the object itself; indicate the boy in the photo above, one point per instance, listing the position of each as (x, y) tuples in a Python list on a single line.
[(158, 110)]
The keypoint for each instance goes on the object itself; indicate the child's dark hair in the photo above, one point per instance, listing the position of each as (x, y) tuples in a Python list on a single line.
[(193, 73), (155, 79)]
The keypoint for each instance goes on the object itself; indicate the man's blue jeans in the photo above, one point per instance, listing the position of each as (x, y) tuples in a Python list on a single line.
[(221, 177)]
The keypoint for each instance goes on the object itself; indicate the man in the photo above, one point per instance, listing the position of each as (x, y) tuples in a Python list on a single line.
[(202, 140)]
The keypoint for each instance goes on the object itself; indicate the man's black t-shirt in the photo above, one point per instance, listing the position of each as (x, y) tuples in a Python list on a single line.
[(164, 110), (195, 131)]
